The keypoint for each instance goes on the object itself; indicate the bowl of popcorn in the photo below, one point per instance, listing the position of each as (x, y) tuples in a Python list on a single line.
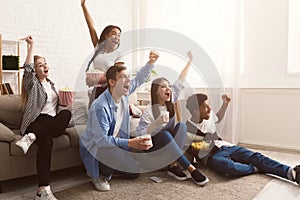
[(93, 76), (66, 97)]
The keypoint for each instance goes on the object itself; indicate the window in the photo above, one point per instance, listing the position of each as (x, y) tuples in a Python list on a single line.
[(294, 37)]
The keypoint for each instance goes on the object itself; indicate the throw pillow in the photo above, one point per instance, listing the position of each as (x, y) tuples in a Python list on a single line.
[(6, 135), (79, 112), (11, 112)]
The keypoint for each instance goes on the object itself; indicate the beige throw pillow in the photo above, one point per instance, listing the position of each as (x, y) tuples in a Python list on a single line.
[(6, 135)]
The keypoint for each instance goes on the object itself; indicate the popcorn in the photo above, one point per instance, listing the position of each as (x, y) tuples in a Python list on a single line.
[(95, 71), (200, 145), (66, 96), (66, 89), (93, 77)]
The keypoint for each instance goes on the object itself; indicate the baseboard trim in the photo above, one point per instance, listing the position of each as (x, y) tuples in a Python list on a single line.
[(268, 148)]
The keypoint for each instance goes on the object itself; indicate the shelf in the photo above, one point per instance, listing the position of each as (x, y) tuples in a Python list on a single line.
[(10, 71), (9, 47), (143, 97)]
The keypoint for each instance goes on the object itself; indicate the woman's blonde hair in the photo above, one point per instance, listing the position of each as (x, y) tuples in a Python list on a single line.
[(23, 91)]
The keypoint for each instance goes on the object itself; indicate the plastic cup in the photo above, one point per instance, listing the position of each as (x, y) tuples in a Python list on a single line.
[(165, 116), (148, 142)]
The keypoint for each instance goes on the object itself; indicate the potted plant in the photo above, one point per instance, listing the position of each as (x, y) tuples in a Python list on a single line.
[(152, 74)]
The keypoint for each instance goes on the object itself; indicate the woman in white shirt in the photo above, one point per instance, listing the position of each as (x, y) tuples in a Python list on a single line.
[(41, 121), (105, 53), (165, 132)]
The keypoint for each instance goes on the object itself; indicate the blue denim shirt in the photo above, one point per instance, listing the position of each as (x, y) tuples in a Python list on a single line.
[(101, 118)]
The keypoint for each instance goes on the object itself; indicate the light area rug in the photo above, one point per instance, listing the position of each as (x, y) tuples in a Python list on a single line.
[(219, 187)]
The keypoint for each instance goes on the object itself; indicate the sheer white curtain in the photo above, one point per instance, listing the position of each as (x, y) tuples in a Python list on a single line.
[(215, 27)]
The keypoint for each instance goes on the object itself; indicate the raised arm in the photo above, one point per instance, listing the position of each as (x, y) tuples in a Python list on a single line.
[(153, 56), (29, 75), (29, 56), (226, 100), (178, 86), (90, 23), (143, 73), (185, 70)]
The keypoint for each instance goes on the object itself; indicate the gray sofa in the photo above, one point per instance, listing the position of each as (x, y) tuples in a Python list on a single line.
[(14, 163), (65, 152)]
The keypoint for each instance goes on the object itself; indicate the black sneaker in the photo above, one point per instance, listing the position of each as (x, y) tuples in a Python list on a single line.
[(199, 178), (297, 170), (177, 173), (130, 176), (125, 175)]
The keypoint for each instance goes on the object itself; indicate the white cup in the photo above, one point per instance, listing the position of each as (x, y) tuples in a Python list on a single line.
[(148, 142), (165, 116)]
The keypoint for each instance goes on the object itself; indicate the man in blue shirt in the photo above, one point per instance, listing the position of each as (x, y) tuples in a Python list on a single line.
[(105, 143)]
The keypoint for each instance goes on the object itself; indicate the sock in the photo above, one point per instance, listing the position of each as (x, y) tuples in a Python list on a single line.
[(32, 136), (291, 174), (294, 174), (256, 169)]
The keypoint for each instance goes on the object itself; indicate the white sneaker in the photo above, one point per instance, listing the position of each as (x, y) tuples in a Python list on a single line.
[(46, 194), (26, 141), (101, 184)]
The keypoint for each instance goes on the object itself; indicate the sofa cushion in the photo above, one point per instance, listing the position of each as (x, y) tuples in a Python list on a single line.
[(6, 135), (59, 143), (74, 133), (10, 106)]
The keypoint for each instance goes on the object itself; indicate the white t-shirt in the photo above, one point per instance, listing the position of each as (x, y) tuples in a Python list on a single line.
[(209, 126), (50, 106), (119, 118), (105, 60)]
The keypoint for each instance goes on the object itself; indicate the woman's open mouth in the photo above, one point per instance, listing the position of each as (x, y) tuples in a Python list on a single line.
[(168, 94), (116, 42)]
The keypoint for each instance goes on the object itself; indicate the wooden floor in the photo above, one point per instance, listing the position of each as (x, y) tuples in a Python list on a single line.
[(23, 189)]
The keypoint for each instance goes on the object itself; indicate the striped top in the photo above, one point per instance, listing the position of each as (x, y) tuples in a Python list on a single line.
[(36, 96)]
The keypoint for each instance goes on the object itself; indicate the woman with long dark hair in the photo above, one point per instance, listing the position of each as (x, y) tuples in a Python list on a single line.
[(167, 132), (105, 53)]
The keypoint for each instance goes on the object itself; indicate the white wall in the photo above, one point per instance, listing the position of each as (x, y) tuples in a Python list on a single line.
[(269, 96), (59, 30), (266, 45), (270, 117)]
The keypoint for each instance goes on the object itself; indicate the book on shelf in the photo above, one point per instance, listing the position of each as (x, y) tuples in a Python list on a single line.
[(6, 89)]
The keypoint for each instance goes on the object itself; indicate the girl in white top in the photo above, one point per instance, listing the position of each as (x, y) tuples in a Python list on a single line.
[(165, 132), (105, 53), (41, 120), (163, 97)]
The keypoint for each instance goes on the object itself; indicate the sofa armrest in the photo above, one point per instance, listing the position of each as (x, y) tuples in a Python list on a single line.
[(6, 135)]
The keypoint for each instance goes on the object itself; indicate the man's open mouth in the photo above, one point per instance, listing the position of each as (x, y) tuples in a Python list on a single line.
[(127, 87)]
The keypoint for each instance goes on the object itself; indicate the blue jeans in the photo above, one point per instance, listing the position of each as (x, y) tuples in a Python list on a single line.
[(176, 138), (239, 161), (117, 159)]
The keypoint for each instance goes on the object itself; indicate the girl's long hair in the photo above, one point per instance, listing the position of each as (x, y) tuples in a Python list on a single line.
[(154, 99), (100, 48), (24, 94)]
